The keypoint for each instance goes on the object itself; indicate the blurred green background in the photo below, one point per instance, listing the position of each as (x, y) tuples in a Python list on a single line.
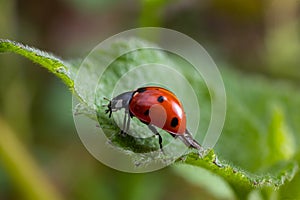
[(252, 36)]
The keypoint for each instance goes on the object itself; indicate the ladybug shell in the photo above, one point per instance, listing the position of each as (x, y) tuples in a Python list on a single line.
[(160, 107)]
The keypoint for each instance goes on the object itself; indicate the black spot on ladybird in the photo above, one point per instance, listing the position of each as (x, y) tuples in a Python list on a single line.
[(160, 99), (141, 90), (174, 122), (146, 112)]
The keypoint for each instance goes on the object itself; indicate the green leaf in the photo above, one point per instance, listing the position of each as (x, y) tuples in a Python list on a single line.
[(250, 118), (280, 139), (215, 185), (242, 181), (244, 141), (55, 65)]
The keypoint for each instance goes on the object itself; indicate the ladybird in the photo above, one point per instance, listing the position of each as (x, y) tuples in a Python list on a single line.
[(155, 107)]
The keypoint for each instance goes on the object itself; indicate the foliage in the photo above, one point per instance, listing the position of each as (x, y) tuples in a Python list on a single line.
[(257, 137)]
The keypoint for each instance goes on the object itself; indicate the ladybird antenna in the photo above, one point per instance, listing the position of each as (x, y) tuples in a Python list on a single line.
[(105, 98)]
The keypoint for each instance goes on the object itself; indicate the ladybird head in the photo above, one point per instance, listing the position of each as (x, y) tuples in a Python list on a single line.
[(119, 102)]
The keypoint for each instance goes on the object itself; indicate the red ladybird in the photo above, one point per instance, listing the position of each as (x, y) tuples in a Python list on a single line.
[(155, 107)]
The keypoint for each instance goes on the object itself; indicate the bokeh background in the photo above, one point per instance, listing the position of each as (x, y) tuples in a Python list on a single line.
[(251, 36)]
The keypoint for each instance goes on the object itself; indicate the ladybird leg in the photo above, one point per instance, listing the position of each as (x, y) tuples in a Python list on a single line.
[(153, 129), (126, 123), (128, 120), (123, 132), (183, 139), (124, 128), (193, 143)]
